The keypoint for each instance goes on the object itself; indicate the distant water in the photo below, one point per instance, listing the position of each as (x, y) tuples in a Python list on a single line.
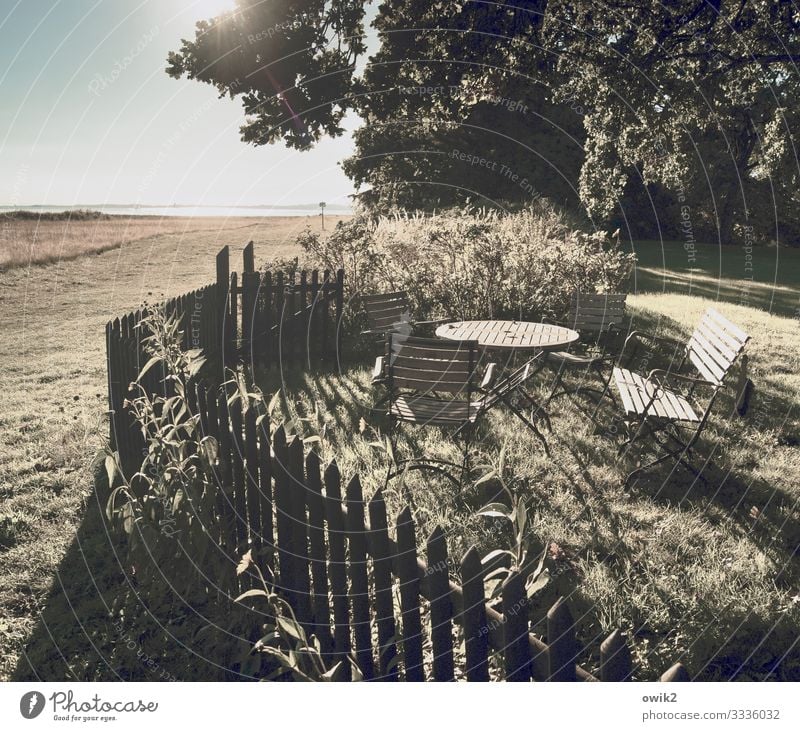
[(188, 211)]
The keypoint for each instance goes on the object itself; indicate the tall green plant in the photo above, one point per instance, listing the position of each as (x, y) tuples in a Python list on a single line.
[(166, 507), (516, 515)]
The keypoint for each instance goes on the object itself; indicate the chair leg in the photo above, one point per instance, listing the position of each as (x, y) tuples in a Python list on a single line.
[(680, 455), (467, 443), (559, 381), (529, 423), (584, 390), (643, 468), (399, 466)]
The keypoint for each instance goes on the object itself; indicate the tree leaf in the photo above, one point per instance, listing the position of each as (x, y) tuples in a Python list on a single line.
[(250, 593)]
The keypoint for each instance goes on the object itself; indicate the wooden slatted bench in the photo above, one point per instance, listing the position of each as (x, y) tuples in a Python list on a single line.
[(656, 405)]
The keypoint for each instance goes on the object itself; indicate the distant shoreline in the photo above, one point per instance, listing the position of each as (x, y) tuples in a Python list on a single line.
[(176, 211)]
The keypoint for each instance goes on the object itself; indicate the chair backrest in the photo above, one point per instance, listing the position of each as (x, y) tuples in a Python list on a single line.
[(385, 312), (596, 312), (715, 345), (431, 365)]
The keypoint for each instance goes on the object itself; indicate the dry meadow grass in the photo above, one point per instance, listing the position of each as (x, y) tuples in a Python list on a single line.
[(53, 389), (24, 242)]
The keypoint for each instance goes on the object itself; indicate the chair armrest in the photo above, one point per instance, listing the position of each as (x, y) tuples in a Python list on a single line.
[(442, 321), (658, 376), (488, 376), (378, 372)]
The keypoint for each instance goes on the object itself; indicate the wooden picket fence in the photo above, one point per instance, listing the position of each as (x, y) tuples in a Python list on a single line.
[(336, 561), (287, 320), (261, 322), (200, 315)]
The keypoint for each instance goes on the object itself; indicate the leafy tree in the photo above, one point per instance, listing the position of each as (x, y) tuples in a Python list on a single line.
[(630, 106), (440, 129), (290, 61), (699, 97)]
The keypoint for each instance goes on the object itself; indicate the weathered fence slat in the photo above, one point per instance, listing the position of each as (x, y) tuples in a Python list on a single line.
[(325, 310), (676, 674), (561, 648), (212, 429), (408, 575), (337, 573), (299, 521), (251, 476), (474, 618), (382, 576), (359, 583), (516, 651), (314, 349), (226, 485), (267, 338), (238, 473), (284, 540), (615, 658), (319, 569), (265, 492), (441, 609)]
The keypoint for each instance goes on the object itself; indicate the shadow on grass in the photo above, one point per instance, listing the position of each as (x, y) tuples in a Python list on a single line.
[(99, 624), (93, 626), (72, 637), (766, 277)]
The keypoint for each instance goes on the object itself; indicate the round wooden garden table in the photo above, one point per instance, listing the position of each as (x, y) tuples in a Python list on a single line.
[(509, 334), (515, 336)]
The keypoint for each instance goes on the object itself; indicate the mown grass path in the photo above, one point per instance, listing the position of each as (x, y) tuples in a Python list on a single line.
[(53, 387)]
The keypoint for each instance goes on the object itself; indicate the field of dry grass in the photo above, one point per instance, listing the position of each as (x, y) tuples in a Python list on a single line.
[(53, 382), (32, 241)]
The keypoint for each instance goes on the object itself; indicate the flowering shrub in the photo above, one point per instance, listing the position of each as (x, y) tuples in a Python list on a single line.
[(473, 264)]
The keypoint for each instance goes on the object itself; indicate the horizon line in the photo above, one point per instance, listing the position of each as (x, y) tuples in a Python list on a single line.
[(91, 206)]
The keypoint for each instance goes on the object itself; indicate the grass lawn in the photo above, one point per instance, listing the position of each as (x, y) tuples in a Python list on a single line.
[(766, 277), (701, 573), (24, 241), (697, 572)]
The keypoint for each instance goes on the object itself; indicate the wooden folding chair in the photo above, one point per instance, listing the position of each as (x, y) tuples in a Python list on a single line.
[(673, 407), (596, 317), (431, 382), (510, 392), (391, 312)]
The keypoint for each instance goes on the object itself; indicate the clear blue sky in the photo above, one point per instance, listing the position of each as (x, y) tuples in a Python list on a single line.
[(88, 115)]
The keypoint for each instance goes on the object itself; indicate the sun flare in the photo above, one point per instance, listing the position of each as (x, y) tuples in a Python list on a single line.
[(210, 8)]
